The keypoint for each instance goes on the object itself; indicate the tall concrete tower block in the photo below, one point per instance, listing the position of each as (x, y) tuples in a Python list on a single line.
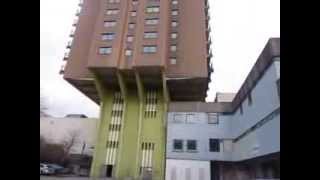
[(132, 57)]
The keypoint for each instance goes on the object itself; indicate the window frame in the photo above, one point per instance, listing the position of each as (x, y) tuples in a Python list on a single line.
[(107, 35), (133, 13), (195, 143), (135, 2), (111, 23), (112, 12), (217, 117), (128, 50), (175, 60), (213, 148), (172, 2), (176, 22), (174, 10), (174, 145), (178, 121), (151, 20), (149, 47), (113, 1), (133, 25), (106, 52), (152, 9), (174, 35), (130, 37), (150, 37), (176, 48)]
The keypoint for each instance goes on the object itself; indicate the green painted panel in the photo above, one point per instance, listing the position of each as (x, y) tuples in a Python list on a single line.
[(136, 129), (128, 150), (99, 155)]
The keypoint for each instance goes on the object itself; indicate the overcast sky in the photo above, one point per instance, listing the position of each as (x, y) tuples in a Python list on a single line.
[(240, 30)]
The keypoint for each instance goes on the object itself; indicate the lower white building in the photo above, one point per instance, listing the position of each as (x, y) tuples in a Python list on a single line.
[(237, 139)]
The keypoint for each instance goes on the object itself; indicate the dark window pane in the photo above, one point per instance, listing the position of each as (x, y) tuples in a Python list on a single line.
[(177, 144), (192, 145), (214, 145)]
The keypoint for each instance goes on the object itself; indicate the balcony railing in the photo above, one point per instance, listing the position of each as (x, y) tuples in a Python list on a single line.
[(78, 12), (66, 56), (80, 3), (69, 44), (209, 54), (61, 70), (75, 22), (72, 33)]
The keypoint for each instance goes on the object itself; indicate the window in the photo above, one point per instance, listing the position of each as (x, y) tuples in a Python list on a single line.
[(110, 23), (179, 118), (114, 1), (112, 11), (131, 25), (107, 36), (174, 35), (128, 52), (133, 13), (174, 12), (153, 9), (191, 145), (129, 38), (149, 49), (191, 118), (177, 145), (249, 99), (213, 118), (149, 35), (105, 50), (173, 48), (151, 21), (214, 145), (174, 2), (174, 24), (173, 60), (241, 110), (134, 2)]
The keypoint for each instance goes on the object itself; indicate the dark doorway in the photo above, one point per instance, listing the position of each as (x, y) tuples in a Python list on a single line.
[(214, 171), (109, 171)]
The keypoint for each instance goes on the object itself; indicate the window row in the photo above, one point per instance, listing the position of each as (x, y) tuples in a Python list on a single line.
[(213, 118), (191, 145), (174, 34), (128, 52), (178, 145), (150, 21)]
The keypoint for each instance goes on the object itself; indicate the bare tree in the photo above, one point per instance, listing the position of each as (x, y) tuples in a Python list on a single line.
[(70, 142), (50, 152)]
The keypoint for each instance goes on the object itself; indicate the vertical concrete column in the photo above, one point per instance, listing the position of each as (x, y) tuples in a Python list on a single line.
[(99, 156)]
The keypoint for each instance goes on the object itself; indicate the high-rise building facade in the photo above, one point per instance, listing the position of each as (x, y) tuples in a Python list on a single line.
[(133, 57)]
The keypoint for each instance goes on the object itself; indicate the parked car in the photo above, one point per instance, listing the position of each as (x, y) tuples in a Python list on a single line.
[(56, 168), (46, 170)]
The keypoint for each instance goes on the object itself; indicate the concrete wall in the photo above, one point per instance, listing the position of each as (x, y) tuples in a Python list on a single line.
[(57, 130), (187, 170), (265, 99), (200, 131), (263, 139)]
